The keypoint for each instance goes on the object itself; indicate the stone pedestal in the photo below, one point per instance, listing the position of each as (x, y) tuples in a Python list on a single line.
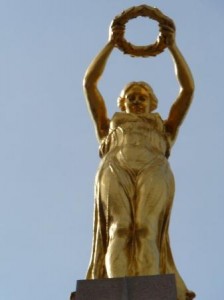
[(157, 287)]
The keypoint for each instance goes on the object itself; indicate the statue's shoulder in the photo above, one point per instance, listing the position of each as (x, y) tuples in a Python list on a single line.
[(118, 118), (156, 116), (119, 115)]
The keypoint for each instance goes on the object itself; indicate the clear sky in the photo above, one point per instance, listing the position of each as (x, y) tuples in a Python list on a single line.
[(49, 153)]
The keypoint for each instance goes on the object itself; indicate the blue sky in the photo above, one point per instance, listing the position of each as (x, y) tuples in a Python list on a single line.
[(49, 152)]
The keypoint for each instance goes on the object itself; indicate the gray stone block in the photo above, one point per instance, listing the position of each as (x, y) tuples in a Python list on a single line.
[(156, 287)]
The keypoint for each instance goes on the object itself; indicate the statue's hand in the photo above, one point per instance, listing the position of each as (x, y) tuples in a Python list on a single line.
[(166, 24), (168, 33), (116, 32)]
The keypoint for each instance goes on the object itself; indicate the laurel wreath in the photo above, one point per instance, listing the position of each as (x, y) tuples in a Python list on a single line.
[(118, 31)]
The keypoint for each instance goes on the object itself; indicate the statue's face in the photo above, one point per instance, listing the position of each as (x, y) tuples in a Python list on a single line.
[(137, 100)]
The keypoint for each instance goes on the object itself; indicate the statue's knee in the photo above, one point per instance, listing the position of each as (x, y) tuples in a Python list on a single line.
[(119, 231)]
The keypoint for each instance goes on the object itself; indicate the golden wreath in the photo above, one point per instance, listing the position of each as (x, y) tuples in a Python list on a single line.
[(118, 30)]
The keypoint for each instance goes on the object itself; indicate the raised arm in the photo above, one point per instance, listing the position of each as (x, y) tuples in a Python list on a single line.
[(180, 107), (93, 96)]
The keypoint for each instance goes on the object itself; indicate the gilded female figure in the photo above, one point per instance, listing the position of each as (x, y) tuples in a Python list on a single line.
[(134, 186)]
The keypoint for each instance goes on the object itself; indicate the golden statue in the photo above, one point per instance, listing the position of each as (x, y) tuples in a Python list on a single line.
[(134, 187)]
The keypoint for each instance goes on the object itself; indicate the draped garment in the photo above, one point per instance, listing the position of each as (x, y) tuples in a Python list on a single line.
[(134, 191)]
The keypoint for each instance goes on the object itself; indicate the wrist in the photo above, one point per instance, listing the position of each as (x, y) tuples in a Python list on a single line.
[(172, 46)]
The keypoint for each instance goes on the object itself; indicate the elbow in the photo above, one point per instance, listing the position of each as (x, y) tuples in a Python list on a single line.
[(189, 90), (191, 87), (85, 82), (187, 93), (88, 83)]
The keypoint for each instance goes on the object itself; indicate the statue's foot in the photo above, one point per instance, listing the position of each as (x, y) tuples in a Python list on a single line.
[(190, 295), (72, 297)]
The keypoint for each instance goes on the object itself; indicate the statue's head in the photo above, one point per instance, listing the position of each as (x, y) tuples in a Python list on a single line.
[(137, 97)]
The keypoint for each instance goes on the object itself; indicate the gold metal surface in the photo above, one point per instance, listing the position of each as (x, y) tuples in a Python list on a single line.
[(131, 13), (134, 187)]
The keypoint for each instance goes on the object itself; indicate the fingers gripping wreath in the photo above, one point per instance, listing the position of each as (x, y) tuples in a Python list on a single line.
[(118, 31)]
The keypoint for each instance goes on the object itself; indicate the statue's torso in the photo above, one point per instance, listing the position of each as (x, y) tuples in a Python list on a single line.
[(135, 139)]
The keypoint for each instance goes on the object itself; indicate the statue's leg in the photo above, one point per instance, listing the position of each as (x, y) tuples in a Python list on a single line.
[(116, 189), (153, 202)]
